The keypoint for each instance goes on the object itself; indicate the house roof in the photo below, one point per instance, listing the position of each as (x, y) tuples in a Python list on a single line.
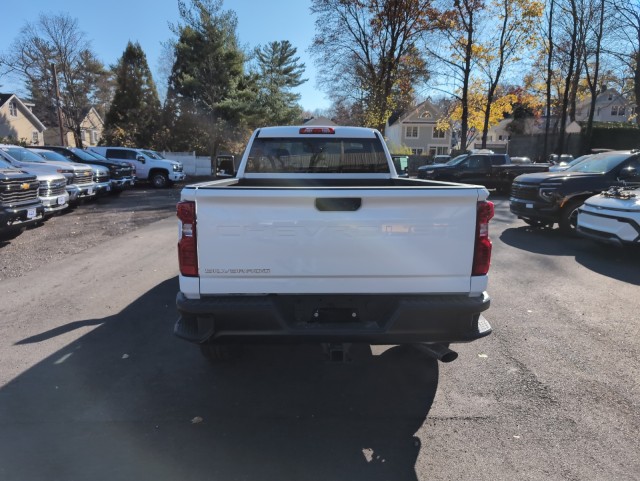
[(4, 98), (426, 106)]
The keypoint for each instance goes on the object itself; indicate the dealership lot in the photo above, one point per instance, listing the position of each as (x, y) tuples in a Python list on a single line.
[(93, 385)]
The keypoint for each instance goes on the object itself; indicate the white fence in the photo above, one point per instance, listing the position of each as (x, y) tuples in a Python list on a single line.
[(193, 165)]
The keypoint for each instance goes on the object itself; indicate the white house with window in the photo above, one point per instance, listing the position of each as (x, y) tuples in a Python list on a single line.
[(611, 106), (18, 122), (416, 128)]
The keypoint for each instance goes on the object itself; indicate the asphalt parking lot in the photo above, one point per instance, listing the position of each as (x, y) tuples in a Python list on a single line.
[(93, 384)]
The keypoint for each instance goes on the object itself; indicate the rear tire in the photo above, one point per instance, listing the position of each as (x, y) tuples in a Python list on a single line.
[(569, 217)]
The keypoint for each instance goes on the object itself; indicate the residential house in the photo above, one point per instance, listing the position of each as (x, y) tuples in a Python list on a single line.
[(91, 129), (611, 106), (416, 128), (497, 137), (17, 121)]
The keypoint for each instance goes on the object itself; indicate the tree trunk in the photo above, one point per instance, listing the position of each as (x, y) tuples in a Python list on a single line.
[(567, 83), (547, 125)]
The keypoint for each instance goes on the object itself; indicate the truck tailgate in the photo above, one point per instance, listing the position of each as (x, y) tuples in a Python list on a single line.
[(312, 240)]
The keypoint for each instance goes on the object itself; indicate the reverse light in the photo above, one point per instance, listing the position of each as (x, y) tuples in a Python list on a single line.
[(317, 130), (187, 241), (482, 250)]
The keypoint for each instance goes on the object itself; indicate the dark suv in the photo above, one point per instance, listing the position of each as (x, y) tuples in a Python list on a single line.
[(121, 172), (546, 198)]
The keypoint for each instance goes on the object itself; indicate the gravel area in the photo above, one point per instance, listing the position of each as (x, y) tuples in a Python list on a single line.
[(87, 225)]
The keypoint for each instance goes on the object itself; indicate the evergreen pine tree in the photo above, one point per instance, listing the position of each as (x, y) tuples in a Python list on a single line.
[(134, 115)]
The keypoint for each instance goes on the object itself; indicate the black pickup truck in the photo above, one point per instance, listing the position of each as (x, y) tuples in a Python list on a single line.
[(494, 171), (546, 198), (20, 206)]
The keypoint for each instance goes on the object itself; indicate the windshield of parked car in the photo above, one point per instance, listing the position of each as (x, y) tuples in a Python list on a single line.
[(599, 164), (458, 159), (578, 160), (5, 165), (85, 154), (51, 155), (23, 155), (317, 155)]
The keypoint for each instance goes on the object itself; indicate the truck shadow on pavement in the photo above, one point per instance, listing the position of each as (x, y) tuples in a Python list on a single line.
[(130, 401), (617, 263)]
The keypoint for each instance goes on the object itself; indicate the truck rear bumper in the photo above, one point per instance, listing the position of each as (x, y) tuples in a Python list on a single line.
[(374, 319)]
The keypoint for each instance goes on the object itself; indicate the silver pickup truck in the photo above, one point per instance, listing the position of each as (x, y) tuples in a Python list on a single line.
[(318, 239)]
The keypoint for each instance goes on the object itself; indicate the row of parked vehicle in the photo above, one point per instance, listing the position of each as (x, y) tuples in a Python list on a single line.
[(38, 181), (595, 195)]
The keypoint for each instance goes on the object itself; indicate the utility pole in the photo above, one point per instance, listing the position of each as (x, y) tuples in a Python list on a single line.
[(55, 86)]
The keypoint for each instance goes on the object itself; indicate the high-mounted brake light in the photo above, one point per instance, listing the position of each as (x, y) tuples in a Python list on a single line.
[(482, 250), (317, 130), (187, 241)]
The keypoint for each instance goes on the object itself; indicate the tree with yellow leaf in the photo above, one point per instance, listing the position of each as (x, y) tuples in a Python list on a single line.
[(479, 111)]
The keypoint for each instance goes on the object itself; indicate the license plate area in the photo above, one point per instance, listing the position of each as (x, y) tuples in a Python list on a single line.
[(335, 315)]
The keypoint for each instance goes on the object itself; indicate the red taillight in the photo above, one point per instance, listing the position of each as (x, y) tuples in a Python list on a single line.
[(187, 243), (317, 130), (482, 251)]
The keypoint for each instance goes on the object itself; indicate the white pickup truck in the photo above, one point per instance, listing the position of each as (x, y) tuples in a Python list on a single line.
[(318, 239)]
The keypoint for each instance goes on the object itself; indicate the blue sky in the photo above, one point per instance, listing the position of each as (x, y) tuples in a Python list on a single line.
[(110, 25)]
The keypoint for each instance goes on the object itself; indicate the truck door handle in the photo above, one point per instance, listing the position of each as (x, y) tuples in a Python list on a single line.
[(340, 204)]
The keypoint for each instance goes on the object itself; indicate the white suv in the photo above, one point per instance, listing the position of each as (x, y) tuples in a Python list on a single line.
[(612, 217)]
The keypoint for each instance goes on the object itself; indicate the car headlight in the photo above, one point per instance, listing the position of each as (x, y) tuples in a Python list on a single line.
[(549, 194)]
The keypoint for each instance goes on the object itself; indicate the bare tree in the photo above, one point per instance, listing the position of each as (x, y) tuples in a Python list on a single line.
[(516, 20), (568, 49), (367, 50), (56, 39), (592, 68), (627, 14)]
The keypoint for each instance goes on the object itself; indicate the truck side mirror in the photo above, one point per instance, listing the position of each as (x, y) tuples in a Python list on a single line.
[(141, 159)]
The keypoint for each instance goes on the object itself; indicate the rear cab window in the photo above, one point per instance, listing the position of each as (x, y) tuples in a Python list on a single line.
[(311, 155)]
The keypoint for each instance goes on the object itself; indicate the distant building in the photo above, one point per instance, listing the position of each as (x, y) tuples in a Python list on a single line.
[(91, 129), (611, 106), (17, 121), (416, 129)]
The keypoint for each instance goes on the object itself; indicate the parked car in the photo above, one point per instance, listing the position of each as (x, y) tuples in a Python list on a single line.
[(80, 183), (101, 175), (565, 165), (149, 165), (20, 206), (612, 217), (555, 197), (494, 171), (121, 173)]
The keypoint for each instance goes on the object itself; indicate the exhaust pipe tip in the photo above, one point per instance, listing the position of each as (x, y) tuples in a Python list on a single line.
[(439, 351)]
